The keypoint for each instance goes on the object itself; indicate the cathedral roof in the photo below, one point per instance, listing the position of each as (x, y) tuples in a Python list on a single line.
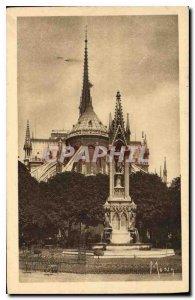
[(89, 124)]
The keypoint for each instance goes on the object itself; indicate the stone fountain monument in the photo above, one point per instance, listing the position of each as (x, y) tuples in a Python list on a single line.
[(121, 237), (120, 230), (120, 210)]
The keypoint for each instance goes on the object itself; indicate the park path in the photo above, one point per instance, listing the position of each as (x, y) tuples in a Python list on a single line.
[(72, 277)]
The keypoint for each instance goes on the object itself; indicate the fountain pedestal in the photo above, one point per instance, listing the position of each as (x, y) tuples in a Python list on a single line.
[(121, 237), (120, 209)]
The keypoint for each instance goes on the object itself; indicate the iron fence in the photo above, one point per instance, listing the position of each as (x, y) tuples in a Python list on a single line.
[(91, 265)]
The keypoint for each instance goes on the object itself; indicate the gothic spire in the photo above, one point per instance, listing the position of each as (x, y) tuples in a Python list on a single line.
[(128, 132), (27, 143), (165, 164), (85, 96), (128, 124), (165, 171), (160, 172)]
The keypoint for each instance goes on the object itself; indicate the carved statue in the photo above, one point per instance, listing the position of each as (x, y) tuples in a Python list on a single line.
[(118, 181), (132, 220), (107, 221), (119, 167)]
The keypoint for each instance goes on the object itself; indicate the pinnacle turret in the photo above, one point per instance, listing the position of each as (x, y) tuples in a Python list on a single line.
[(160, 172), (118, 117), (165, 171), (27, 144), (128, 131)]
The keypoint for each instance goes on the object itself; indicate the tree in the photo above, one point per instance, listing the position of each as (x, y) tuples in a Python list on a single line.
[(64, 202), (153, 206), (71, 200), (175, 211), (29, 209)]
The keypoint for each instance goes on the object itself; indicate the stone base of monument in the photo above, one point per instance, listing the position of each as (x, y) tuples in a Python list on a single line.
[(140, 250), (127, 247), (121, 237), (136, 250)]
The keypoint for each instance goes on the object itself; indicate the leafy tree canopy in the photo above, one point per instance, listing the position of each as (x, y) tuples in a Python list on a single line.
[(72, 198)]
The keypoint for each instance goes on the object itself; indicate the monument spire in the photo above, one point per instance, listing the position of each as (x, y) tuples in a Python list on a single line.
[(118, 117), (118, 122), (85, 101)]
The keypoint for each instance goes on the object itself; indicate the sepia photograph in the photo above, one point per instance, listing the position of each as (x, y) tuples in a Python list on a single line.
[(100, 180)]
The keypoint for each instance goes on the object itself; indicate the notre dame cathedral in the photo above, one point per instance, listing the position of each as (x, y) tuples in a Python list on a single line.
[(88, 131)]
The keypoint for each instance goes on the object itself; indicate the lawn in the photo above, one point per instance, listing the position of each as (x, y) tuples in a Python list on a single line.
[(91, 265)]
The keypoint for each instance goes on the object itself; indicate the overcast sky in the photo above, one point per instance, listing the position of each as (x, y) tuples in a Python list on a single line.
[(137, 55)]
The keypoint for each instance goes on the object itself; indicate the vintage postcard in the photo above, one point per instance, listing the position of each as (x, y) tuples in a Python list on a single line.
[(97, 150)]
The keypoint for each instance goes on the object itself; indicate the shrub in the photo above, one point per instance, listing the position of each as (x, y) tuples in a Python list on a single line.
[(37, 251), (98, 252)]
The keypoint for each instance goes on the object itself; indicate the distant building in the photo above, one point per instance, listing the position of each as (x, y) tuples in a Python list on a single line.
[(163, 175)]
